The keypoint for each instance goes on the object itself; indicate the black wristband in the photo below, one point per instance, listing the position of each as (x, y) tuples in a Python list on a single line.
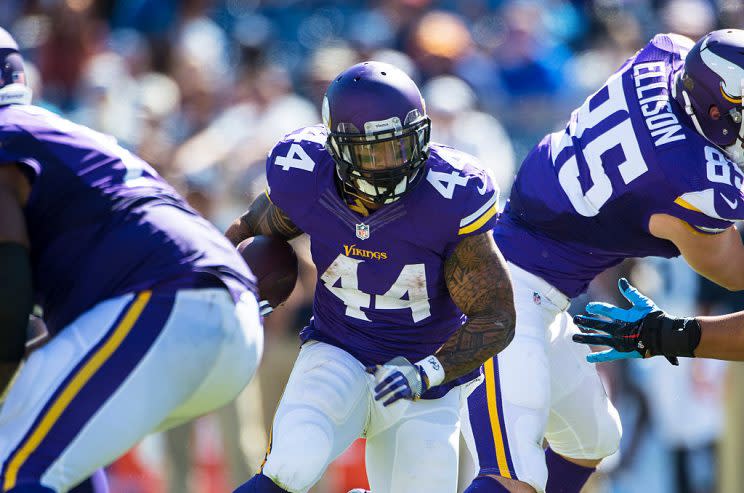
[(670, 336), (16, 298)]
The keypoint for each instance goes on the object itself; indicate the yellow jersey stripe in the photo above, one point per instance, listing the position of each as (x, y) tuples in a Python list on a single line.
[(472, 217), (73, 388), (479, 222), (683, 203), (493, 414)]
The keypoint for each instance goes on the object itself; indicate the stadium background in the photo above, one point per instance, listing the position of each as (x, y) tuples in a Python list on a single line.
[(203, 88)]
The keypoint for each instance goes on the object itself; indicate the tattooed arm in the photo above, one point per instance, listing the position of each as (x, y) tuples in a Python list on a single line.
[(262, 218), (478, 282)]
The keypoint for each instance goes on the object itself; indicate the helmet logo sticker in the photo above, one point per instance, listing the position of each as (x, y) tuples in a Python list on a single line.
[(728, 97), (362, 231), (382, 125), (729, 72)]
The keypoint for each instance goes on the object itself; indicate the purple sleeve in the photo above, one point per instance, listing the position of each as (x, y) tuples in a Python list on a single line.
[(480, 205), (291, 174), (710, 197), (11, 151), (477, 206)]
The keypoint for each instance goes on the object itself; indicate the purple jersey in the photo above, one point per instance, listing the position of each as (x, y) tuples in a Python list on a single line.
[(101, 221), (582, 199), (381, 290)]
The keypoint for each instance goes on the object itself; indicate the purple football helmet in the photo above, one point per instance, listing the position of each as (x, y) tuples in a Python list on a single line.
[(13, 88), (378, 131), (713, 75)]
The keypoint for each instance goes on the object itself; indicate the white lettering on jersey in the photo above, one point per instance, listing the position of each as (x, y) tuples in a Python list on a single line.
[(651, 78)]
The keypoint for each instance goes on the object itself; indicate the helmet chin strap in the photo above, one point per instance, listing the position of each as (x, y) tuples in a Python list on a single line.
[(15, 94), (688, 105), (690, 111)]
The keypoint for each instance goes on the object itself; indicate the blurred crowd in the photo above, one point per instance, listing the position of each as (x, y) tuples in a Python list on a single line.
[(202, 89)]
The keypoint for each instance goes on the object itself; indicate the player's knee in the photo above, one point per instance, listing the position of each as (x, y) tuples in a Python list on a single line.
[(438, 466), (609, 432), (609, 438), (602, 442), (299, 457)]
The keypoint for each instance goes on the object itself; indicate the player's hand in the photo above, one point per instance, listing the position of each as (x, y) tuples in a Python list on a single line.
[(398, 379), (630, 333)]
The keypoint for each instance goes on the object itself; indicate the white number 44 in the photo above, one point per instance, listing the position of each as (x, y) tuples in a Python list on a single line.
[(342, 280), (445, 183)]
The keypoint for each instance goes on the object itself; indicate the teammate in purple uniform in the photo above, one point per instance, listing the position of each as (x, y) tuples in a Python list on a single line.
[(400, 231), (643, 168), (150, 309), (644, 330)]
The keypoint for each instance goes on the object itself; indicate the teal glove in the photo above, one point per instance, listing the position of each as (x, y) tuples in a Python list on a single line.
[(636, 332)]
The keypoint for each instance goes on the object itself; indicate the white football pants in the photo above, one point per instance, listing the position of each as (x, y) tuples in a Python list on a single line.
[(129, 366), (540, 386), (329, 402)]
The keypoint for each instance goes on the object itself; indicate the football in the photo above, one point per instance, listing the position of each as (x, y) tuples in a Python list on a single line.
[(274, 263)]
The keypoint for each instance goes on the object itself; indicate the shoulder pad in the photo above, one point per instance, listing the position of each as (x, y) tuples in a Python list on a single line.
[(672, 43), (474, 195), (683, 43), (292, 167)]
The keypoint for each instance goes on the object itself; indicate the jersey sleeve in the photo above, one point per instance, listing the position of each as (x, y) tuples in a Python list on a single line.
[(13, 141), (712, 200), (480, 204), (291, 172)]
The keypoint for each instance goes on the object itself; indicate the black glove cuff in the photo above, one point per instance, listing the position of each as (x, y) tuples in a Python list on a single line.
[(671, 336), (16, 298)]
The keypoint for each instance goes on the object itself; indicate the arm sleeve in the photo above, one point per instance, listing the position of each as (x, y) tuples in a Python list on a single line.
[(710, 211)]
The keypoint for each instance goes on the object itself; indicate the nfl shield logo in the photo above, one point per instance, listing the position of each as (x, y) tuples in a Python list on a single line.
[(536, 298), (362, 231)]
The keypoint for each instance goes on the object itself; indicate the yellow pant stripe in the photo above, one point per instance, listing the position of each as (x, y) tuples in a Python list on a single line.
[(73, 388), (493, 413)]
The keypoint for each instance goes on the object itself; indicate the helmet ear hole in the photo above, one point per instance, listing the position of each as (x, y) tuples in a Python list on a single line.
[(714, 113)]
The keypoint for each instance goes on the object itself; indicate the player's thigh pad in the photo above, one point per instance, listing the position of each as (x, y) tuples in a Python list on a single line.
[(324, 408), (419, 450), (107, 380), (238, 358), (583, 423), (505, 417)]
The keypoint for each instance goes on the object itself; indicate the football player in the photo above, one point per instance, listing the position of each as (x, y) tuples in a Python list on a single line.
[(412, 294), (647, 166), (150, 309)]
